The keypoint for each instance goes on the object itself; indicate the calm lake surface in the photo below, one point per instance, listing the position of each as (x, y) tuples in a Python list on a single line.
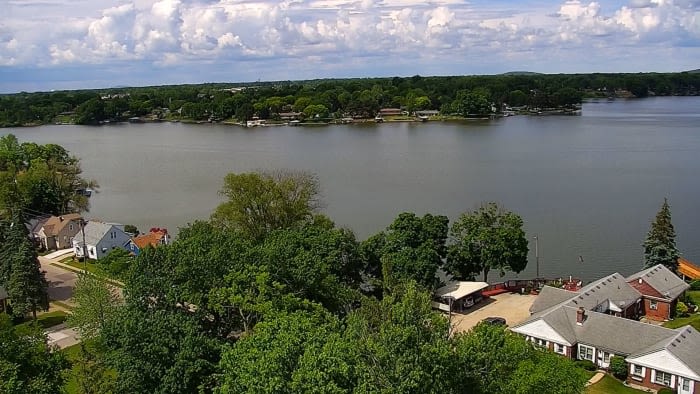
[(586, 185)]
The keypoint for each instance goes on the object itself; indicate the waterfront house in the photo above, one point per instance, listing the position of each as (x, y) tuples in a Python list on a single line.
[(154, 238), (390, 112), (660, 289), (57, 232), (100, 239), (599, 322)]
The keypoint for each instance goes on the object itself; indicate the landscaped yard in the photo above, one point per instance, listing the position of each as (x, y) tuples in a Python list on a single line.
[(693, 319), (610, 385), (47, 320)]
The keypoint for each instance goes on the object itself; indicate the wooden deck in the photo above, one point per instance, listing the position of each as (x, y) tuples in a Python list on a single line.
[(688, 270)]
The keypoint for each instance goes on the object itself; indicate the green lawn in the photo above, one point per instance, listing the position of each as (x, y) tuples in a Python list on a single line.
[(693, 319), (47, 320), (610, 385), (73, 355)]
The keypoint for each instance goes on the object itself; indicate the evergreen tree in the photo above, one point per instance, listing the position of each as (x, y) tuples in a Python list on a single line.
[(20, 271), (660, 244)]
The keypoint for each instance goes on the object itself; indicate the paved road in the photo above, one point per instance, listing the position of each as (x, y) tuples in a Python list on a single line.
[(61, 282)]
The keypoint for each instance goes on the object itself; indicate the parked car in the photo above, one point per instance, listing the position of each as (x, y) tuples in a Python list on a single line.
[(496, 321)]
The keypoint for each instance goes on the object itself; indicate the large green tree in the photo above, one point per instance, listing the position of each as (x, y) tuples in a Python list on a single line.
[(27, 363), (41, 179), (660, 244), (20, 271), (489, 238), (261, 202), (95, 303), (411, 248)]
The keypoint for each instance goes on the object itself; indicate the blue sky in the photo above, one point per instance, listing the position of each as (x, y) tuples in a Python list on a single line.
[(70, 44)]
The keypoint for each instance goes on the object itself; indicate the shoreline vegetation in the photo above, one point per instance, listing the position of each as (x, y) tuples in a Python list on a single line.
[(340, 101)]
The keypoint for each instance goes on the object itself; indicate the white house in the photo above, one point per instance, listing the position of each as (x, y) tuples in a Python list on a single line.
[(100, 239)]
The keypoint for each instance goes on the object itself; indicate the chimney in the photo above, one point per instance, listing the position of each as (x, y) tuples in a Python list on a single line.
[(580, 316)]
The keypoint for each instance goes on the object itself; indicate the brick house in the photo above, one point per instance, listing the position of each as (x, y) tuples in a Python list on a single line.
[(599, 322), (660, 289)]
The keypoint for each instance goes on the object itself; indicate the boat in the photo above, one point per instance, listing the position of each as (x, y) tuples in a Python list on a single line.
[(378, 119)]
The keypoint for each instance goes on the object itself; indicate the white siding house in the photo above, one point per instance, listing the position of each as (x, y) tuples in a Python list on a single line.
[(100, 239)]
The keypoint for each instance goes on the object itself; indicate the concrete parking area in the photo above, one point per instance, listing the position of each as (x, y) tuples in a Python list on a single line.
[(511, 306)]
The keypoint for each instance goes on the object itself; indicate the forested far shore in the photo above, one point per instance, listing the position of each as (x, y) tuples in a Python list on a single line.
[(329, 100)]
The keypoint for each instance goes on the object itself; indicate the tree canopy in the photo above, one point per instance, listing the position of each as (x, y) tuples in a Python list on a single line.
[(488, 238), (660, 244), (260, 202), (41, 179)]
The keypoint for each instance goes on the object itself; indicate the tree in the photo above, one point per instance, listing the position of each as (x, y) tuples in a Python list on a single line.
[(91, 371), (95, 302), (261, 202), (411, 248), (27, 363), (660, 244), (117, 262), (20, 271), (489, 238)]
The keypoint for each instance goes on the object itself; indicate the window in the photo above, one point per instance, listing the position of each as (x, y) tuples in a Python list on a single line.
[(653, 305), (585, 352), (637, 370), (606, 357), (686, 384), (559, 348), (663, 378)]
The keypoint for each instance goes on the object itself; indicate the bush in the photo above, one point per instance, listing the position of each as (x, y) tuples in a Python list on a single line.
[(618, 367), (695, 285), (586, 364), (666, 390), (681, 309)]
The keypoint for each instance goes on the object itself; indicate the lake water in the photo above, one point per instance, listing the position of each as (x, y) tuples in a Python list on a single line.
[(586, 185)]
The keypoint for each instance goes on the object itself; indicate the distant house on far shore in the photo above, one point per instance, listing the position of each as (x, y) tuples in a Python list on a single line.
[(390, 112), (154, 238)]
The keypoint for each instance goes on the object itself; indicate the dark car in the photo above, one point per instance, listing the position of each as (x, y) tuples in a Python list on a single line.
[(496, 321)]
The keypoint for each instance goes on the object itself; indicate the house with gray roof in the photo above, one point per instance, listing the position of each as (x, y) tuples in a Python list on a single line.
[(599, 322), (99, 239), (660, 288)]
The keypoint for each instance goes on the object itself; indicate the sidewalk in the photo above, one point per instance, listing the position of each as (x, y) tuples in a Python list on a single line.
[(58, 254), (62, 336), (595, 378)]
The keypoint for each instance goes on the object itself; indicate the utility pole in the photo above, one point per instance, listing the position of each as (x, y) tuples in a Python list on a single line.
[(537, 256), (82, 224)]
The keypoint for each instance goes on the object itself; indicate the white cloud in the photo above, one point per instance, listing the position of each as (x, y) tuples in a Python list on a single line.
[(172, 32)]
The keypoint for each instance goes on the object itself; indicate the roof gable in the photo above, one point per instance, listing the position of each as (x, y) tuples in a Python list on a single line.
[(666, 361), (55, 224), (541, 329), (550, 296), (95, 231)]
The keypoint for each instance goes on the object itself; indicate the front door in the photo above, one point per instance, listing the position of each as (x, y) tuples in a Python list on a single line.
[(685, 385)]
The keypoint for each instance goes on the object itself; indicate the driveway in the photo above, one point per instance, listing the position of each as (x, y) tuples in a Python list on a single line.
[(62, 336), (510, 306)]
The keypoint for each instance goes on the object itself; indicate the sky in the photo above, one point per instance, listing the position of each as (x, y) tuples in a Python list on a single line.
[(75, 44)]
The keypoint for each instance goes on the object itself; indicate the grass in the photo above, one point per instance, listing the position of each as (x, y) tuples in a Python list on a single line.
[(72, 353), (47, 320), (610, 385), (693, 319)]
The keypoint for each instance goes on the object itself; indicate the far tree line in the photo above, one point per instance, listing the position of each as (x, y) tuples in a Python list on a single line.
[(336, 98)]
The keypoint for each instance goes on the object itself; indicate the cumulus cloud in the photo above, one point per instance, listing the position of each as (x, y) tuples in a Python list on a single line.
[(172, 32)]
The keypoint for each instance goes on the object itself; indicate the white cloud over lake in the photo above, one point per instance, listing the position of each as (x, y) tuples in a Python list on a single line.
[(103, 43)]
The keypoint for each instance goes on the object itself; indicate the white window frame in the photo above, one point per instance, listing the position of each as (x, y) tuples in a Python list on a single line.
[(541, 342), (606, 357), (653, 305), (559, 348), (685, 384), (659, 378), (586, 349), (638, 370)]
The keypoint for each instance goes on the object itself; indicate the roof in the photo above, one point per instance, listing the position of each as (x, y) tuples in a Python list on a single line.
[(3, 293), (152, 238), (612, 291), (688, 269), (95, 231), (663, 280), (55, 224), (457, 290), (36, 223), (550, 296), (683, 347), (602, 330)]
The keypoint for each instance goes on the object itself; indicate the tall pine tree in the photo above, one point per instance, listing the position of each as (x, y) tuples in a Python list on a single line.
[(20, 271), (660, 244)]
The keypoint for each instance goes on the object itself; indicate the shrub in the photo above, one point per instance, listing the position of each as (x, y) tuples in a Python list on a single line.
[(681, 309), (618, 367), (586, 364), (695, 285)]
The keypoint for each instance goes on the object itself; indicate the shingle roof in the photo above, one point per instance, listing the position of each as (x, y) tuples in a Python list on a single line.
[(663, 280), (550, 296), (613, 288), (94, 232), (152, 238), (683, 345), (55, 224)]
